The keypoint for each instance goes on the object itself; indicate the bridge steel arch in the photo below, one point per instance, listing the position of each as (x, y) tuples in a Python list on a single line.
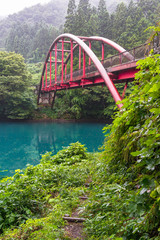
[(80, 41), (111, 43)]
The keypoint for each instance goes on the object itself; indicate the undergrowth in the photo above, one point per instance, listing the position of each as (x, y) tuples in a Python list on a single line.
[(125, 200), (33, 202)]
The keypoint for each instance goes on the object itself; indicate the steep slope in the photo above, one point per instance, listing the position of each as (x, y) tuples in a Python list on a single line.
[(52, 13)]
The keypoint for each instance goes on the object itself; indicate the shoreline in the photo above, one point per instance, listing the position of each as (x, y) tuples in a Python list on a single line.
[(107, 121)]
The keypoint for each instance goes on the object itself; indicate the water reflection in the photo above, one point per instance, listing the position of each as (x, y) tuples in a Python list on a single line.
[(23, 143)]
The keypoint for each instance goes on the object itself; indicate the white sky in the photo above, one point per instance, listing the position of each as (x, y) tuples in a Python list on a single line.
[(12, 6)]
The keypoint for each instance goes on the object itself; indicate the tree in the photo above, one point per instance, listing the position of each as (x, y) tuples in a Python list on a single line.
[(31, 41), (103, 20), (69, 25), (16, 95), (82, 17), (149, 8), (119, 22), (93, 26)]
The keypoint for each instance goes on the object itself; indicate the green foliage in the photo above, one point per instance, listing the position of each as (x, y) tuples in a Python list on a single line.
[(87, 103), (70, 18), (126, 26), (32, 41), (139, 15), (131, 153), (44, 113), (35, 70), (27, 195), (103, 19), (52, 13), (16, 96), (70, 155)]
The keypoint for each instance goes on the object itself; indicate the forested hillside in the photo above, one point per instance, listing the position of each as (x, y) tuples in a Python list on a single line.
[(33, 30), (126, 25), (52, 13)]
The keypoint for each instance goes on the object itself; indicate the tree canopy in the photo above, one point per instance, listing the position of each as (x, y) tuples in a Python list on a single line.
[(16, 94), (31, 41)]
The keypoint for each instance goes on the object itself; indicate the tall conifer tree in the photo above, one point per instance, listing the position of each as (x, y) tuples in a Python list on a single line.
[(119, 23), (69, 25), (103, 19), (83, 15)]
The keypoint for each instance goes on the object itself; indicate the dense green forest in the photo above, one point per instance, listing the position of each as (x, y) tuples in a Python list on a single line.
[(122, 182), (31, 36), (17, 99), (52, 13)]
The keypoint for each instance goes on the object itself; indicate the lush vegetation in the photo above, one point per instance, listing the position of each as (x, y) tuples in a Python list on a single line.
[(124, 190), (17, 100), (126, 25), (87, 103), (31, 41), (31, 34), (121, 26), (49, 189), (52, 13)]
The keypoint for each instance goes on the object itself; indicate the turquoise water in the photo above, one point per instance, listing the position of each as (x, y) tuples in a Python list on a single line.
[(23, 143)]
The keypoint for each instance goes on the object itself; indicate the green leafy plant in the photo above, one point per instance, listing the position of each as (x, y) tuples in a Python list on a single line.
[(27, 194)]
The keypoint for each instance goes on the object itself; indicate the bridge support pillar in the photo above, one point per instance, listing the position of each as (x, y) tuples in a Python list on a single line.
[(44, 98)]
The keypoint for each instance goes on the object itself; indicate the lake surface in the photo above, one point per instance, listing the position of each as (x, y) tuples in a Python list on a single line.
[(23, 143)]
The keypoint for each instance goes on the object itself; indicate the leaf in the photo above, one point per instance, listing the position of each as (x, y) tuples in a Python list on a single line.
[(144, 190), (135, 154), (155, 110), (11, 219), (153, 194), (51, 200), (158, 189), (155, 88), (150, 167)]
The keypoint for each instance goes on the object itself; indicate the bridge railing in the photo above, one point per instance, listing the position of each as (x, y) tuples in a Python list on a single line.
[(137, 53), (121, 58)]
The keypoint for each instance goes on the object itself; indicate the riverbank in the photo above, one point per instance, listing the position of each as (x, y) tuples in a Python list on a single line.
[(56, 120), (107, 121)]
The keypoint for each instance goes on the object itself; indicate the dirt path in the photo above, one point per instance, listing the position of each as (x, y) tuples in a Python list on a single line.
[(75, 231), (74, 228)]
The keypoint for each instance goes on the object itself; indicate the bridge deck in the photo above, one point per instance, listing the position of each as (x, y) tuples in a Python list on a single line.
[(119, 74)]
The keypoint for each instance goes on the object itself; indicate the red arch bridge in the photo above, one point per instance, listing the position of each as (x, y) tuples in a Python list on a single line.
[(75, 61)]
